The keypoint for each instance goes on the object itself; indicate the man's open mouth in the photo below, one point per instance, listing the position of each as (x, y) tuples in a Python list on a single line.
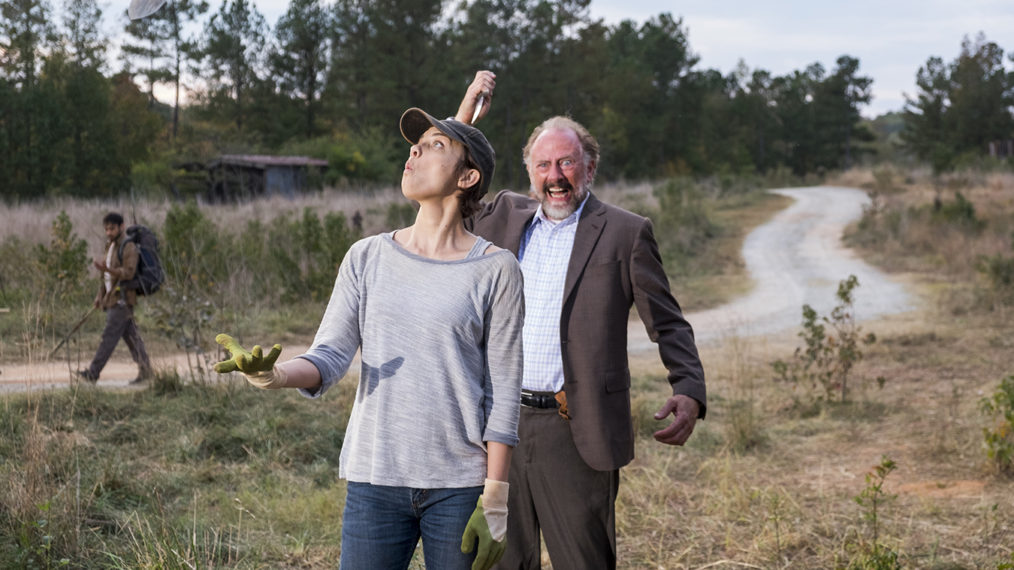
[(558, 193)]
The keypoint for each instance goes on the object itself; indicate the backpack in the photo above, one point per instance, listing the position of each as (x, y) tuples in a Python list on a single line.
[(149, 275)]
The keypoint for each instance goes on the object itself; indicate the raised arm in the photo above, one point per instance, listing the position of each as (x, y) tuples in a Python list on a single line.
[(481, 86)]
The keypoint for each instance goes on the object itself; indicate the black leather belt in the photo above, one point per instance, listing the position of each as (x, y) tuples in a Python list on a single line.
[(539, 399)]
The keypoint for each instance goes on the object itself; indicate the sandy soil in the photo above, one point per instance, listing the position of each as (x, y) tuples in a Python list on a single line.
[(795, 258)]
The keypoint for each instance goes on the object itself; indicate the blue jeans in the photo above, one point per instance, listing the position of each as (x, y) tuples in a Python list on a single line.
[(381, 526)]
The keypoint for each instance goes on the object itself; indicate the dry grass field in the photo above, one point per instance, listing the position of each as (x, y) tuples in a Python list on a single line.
[(195, 474), (788, 499), (30, 221)]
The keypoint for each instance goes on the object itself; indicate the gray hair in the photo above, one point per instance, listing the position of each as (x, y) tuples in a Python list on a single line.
[(589, 145)]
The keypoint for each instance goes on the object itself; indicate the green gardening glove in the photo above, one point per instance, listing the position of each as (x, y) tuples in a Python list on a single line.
[(488, 526), (259, 370)]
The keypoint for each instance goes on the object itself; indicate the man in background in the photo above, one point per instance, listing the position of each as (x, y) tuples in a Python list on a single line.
[(585, 263), (119, 265)]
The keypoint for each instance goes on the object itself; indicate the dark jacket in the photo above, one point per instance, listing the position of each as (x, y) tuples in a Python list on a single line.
[(615, 264)]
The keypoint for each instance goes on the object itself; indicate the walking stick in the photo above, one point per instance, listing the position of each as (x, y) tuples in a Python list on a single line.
[(73, 330), (112, 290)]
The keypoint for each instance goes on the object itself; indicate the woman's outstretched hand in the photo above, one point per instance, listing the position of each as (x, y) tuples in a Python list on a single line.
[(259, 370)]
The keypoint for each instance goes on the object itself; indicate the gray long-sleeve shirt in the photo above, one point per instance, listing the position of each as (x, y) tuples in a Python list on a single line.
[(441, 362)]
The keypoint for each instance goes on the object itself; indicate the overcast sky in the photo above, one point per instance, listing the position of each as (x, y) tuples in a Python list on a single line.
[(891, 38)]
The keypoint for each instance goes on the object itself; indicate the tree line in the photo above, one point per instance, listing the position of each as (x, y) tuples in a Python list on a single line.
[(331, 80), (960, 107)]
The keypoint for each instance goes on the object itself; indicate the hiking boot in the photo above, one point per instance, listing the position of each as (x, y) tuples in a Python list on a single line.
[(143, 376), (85, 375)]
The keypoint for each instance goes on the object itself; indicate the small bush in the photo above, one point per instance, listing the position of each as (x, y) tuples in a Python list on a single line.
[(191, 250), (744, 432), (684, 214), (885, 180), (832, 349), (959, 213), (999, 273), (36, 543), (372, 155), (872, 554), (304, 254), (65, 261), (999, 438), (399, 215)]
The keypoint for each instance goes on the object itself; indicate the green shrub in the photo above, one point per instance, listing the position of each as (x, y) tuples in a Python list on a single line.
[(744, 430), (960, 213), (872, 554), (191, 248), (399, 215), (688, 225), (151, 178), (999, 273), (40, 282), (184, 314), (65, 260), (373, 155), (831, 349), (885, 180), (999, 438), (303, 255), (36, 543)]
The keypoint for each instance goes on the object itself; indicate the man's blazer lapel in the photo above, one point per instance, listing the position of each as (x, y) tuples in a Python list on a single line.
[(517, 223), (589, 230)]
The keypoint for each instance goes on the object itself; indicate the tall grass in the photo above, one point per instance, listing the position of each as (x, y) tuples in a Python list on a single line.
[(265, 268), (23, 219), (960, 226), (205, 476)]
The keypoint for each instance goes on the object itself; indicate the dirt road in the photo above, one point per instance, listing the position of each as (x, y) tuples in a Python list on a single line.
[(795, 258)]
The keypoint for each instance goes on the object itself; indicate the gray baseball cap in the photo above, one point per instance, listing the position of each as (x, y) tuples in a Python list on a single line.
[(415, 122)]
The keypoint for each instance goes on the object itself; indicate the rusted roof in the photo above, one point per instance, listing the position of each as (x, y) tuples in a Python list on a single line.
[(266, 160)]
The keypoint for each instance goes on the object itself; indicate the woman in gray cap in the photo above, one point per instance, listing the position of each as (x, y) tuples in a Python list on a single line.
[(437, 314)]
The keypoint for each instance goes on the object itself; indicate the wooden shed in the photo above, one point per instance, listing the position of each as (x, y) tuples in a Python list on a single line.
[(1001, 149), (241, 176)]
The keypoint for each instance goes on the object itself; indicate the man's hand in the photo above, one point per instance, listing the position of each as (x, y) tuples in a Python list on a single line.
[(684, 410), (100, 265), (488, 526), (482, 85), (259, 369)]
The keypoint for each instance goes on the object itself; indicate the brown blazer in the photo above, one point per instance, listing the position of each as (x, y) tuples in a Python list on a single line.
[(614, 264)]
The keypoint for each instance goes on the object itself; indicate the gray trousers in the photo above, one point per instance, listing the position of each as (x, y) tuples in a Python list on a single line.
[(553, 490), (120, 324)]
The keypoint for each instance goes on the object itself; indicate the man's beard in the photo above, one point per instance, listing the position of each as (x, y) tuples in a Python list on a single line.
[(560, 212)]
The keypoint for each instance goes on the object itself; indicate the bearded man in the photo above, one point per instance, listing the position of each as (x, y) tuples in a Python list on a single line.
[(585, 263)]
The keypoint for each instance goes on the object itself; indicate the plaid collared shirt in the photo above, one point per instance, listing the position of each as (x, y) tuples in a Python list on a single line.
[(545, 254)]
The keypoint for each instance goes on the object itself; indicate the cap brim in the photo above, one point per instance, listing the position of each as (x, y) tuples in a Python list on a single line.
[(414, 122)]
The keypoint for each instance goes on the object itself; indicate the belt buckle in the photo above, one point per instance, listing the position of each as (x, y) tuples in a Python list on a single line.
[(541, 401)]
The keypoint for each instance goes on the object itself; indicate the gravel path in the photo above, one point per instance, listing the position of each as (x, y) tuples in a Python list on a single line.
[(796, 258)]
